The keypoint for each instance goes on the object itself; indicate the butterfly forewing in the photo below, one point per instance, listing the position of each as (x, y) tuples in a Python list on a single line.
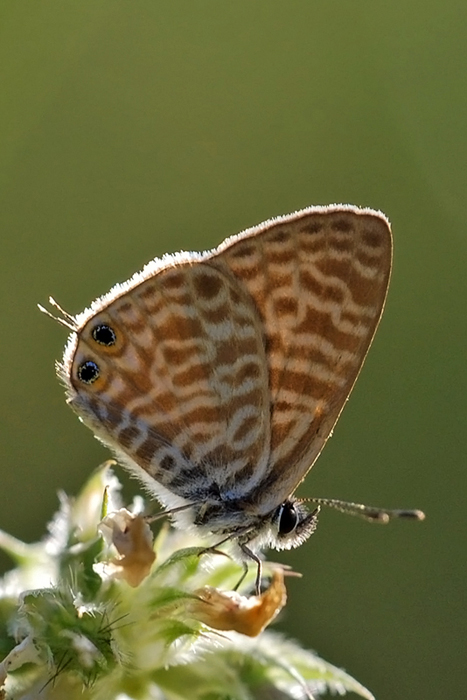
[(319, 281), (228, 370)]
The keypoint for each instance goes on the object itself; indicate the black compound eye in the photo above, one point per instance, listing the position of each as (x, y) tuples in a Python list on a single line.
[(104, 335), (288, 519), (88, 372)]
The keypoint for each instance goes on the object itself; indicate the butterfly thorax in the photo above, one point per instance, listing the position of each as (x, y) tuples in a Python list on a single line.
[(286, 527), (222, 516)]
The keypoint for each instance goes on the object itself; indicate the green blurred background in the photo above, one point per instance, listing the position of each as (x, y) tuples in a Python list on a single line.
[(129, 129)]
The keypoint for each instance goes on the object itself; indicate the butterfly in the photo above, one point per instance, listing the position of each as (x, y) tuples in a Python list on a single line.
[(217, 377)]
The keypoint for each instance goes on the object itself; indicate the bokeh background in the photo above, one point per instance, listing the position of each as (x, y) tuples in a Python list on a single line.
[(129, 129)]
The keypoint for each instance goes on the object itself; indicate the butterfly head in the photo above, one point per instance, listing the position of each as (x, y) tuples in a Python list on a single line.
[(288, 527)]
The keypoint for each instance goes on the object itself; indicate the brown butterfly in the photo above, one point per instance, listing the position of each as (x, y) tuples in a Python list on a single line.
[(217, 377)]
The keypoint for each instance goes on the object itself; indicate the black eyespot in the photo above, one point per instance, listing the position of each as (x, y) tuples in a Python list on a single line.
[(104, 335), (288, 518), (88, 372)]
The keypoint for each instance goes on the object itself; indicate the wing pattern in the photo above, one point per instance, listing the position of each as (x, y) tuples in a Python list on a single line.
[(227, 370)]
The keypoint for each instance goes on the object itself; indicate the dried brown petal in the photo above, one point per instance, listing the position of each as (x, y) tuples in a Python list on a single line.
[(228, 610)]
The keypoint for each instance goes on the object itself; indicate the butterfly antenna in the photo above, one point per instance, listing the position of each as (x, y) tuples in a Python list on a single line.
[(370, 513), (68, 321)]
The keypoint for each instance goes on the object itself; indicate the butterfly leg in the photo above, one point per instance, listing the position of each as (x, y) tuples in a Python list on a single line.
[(242, 577), (259, 564), (214, 550)]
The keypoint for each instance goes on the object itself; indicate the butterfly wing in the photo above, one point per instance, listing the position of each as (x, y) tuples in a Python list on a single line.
[(179, 381), (319, 280)]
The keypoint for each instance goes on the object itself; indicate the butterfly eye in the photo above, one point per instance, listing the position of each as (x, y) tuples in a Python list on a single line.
[(104, 335), (288, 518), (88, 372)]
